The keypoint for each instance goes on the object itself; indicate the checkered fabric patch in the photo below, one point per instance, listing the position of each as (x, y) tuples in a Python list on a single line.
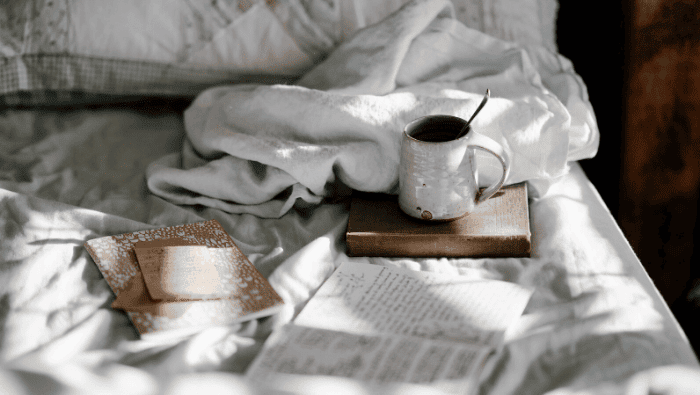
[(61, 79)]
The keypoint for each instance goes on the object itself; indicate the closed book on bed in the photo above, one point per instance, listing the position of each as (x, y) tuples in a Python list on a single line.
[(251, 296), (499, 227)]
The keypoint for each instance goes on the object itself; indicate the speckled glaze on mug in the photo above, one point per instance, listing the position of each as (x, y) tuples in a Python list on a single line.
[(437, 179)]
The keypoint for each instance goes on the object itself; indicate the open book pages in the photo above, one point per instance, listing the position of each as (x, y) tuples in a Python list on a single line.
[(383, 324), (229, 290), (364, 298), (383, 358)]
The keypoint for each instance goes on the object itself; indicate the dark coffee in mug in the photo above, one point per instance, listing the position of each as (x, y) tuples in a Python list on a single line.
[(438, 131), (436, 136)]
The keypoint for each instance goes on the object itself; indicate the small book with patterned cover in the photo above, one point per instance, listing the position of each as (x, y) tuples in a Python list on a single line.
[(220, 287)]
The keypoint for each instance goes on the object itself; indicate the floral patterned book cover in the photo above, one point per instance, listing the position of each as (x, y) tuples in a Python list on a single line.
[(248, 294)]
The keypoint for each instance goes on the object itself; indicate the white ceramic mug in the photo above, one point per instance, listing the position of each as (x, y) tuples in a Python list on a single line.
[(437, 179)]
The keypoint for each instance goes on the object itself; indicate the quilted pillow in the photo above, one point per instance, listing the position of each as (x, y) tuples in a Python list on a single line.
[(55, 52), (528, 22)]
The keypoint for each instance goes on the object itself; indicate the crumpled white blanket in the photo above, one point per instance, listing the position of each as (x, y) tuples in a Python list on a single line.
[(257, 149)]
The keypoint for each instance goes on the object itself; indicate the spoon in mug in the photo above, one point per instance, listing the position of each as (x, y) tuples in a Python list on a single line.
[(481, 105)]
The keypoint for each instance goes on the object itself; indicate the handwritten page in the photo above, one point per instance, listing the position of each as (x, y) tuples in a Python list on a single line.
[(370, 299), (451, 367)]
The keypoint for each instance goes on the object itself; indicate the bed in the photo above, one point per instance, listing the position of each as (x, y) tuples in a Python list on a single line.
[(265, 116)]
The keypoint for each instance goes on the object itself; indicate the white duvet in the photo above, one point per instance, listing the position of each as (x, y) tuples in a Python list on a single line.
[(342, 123), (595, 323)]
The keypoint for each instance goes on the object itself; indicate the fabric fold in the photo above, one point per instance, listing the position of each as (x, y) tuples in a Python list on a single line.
[(341, 123)]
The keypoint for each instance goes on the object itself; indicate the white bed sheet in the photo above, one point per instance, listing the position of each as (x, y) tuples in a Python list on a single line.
[(595, 324)]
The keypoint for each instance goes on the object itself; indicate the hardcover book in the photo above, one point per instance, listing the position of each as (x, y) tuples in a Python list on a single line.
[(499, 227), (223, 287), (382, 324)]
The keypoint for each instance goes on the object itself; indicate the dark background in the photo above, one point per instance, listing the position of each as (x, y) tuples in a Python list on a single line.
[(623, 59), (593, 38)]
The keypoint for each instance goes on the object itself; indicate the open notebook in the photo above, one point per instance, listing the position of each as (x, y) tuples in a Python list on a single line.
[(386, 325), (241, 292)]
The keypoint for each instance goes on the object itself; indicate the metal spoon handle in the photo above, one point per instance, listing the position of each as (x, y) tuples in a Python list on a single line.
[(481, 105)]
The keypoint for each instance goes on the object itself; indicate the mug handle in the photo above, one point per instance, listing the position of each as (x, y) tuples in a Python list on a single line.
[(487, 144)]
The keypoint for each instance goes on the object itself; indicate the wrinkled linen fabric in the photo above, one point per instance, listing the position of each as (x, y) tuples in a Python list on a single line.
[(259, 148), (595, 323)]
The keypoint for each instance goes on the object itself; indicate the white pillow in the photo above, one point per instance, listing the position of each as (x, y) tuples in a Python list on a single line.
[(63, 52), (136, 47), (529, 22)]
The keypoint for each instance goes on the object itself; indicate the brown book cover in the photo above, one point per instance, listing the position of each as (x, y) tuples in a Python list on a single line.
[(499, 227), (249, 294)]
